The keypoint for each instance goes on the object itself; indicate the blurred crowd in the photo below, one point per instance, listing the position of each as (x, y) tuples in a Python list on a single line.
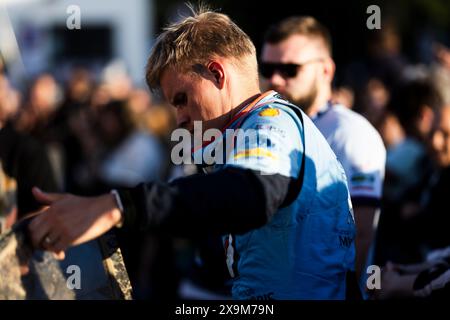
[(85, 135), (89, 133), (409, 104)]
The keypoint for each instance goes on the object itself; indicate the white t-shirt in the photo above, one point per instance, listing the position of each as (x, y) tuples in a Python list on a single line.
[(137, 159), (359, 148)]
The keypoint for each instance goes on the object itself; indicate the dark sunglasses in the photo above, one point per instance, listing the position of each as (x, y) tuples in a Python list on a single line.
[(286, 70)]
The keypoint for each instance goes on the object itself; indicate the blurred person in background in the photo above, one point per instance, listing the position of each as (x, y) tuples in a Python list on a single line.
[(36, 118), (79, 87), (124, 153), (100, 96), (23, 157), (296, 61), (386, 61), (83, 139), (429, 277), (8, 200), (381, 71), (374, 101), (440, 70), (159, 119), (343, 95), (132, 155), (391, 131), (435, 220), (71, 122), (408, 169), (140, 103), (117, 81), (39, 108)]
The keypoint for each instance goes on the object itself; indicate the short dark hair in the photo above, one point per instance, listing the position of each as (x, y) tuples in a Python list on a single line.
[(409, 98), (302, 25)]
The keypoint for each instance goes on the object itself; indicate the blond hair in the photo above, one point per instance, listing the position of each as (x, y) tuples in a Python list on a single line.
[(195, 40)]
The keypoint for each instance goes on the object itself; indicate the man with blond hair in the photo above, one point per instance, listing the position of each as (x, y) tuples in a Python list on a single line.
[(280, 201)]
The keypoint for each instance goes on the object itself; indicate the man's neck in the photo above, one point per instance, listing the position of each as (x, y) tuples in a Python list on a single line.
[(244, 103), (320, 101), (237, 103)]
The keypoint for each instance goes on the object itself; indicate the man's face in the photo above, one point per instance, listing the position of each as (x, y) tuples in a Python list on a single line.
[(301, 88), (195, 98), (441, 138)]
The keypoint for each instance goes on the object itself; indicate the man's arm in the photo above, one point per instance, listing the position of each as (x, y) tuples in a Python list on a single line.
[(365, 158), (235, 199), (232, 200), (365, 231)]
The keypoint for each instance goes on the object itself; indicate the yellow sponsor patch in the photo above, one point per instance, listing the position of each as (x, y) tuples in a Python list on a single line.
[(269, 112), (256, 152)]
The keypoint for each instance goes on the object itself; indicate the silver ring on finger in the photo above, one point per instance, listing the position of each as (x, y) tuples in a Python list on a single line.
[(47, 240)]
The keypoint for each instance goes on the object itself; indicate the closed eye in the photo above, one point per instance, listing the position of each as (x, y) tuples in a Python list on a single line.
[(179, 100)]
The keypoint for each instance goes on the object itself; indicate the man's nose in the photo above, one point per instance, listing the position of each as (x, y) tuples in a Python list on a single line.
[(277, 80)]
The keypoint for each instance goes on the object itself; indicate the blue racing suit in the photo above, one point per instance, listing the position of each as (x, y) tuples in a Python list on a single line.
[(305, 247)]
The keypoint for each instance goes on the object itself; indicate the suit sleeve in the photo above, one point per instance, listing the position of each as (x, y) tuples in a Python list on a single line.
[(243, 195), (232, 200)]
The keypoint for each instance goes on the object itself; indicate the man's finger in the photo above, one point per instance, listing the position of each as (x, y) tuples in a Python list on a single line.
[(33, 214), (45, 197), (60, 255), (38, 220), (49, 241), (39, 228), (60, 246)]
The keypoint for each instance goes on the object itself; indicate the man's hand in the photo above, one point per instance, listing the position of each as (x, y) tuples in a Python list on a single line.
[(394, 284), (69, 220)]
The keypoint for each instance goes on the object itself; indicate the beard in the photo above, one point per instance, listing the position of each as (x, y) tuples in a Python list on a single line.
[(304, 101)]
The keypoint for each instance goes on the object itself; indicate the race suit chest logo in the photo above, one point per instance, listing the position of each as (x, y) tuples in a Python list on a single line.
[(269, 112)]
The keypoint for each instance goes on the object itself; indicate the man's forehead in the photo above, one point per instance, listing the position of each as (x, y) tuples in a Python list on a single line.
[(294, 49), (172, 80)]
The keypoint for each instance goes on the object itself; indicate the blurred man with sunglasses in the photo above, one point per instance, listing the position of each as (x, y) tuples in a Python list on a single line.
[(296, 61)]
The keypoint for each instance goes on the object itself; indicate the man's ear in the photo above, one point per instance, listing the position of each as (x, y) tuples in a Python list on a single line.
[(329, 68), (218, 72), (426, 117)]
